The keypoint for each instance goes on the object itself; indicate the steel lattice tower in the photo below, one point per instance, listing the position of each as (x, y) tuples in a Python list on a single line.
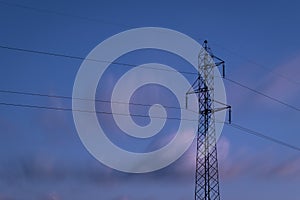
[(206, 177)]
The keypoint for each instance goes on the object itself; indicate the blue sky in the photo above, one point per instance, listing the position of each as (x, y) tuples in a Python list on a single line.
[(41, 154)]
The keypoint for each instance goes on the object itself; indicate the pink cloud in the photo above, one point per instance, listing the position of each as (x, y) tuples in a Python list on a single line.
[(283, 83), (287, 169), (264, 165), (223, 148), (52, 196), (56, 122), (187, 163)]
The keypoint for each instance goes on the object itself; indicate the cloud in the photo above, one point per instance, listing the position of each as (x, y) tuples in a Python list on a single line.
[(128, 197), (283, 83), (223, 146), (6, 197), (57, 123), (51, 196), (289, 169), (51, 177), (264, 165)]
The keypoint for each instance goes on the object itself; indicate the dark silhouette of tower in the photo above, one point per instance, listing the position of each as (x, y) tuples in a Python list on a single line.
[(206, 177)]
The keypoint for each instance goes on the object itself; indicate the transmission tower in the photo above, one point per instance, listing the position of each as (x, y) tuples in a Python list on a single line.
[(207, 177)]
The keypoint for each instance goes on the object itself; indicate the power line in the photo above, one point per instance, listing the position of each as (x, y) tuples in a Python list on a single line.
[(61, 55), (280, 75), (88, 111), (263, 136), (146, 67), (63, 14), (132, 65), (140, 104), (234, 125), (263, 94), (285, 77), (88, 59), (126, 64), (82, 99)]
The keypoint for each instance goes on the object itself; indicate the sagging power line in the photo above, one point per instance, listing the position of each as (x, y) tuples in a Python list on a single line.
[(98, 20), (234, 125), (150, 68), (131, 65)]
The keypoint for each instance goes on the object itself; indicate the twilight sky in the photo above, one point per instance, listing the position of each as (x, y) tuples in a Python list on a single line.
[(41, 155)]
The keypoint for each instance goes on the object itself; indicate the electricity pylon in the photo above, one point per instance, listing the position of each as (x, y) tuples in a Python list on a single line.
[(207, 177)]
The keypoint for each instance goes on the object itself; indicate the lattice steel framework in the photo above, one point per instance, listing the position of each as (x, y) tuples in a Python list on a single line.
[(206, 177)]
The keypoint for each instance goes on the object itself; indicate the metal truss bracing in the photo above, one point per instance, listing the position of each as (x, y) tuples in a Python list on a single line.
[(206, 177)]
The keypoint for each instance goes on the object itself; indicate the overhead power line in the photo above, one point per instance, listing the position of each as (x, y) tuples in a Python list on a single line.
[(263, 136), (61, 55), (43, 10), (140, 104), (89, 59), (250, 61), (97, 20), (88, 111), (263, 94), (82, 99), (146, 67), (234, 125)]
